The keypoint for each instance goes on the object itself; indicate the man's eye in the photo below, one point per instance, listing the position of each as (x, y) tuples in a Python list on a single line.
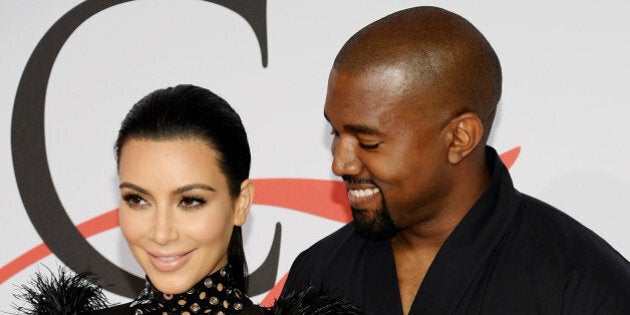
[(369, 146), (192, 202), (334, 132)]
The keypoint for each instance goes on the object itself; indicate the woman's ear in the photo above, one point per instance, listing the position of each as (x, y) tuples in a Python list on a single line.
[(243, 202), (464, 135)]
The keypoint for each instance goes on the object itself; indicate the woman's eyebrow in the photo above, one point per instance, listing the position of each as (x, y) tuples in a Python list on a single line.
[(134, 187), (192, 187)]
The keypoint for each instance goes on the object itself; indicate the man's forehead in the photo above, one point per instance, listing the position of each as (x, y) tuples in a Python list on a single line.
[(386, 96), (364, 115), (401, 69), (385, 81)]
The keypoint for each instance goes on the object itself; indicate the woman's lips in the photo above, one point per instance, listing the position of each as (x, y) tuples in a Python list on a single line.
[(360, 198), (169, 262)]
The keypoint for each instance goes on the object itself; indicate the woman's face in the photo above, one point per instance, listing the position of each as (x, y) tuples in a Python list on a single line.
[(176, 211)]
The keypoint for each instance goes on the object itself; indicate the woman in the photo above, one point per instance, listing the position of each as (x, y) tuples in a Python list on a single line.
[(183, 164)]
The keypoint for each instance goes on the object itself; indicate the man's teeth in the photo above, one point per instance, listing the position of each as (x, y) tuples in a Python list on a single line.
[(170, 258), (363, 192)]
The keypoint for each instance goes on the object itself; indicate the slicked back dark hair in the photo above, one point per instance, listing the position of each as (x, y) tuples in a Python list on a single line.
[(191, 112)]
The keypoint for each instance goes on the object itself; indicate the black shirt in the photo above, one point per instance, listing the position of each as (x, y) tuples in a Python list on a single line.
[(510, 254)]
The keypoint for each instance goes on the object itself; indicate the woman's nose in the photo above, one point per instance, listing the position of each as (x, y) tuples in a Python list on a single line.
[(163, 229)]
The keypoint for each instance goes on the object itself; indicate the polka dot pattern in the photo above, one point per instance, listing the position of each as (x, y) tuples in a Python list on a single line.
[(213, 295)]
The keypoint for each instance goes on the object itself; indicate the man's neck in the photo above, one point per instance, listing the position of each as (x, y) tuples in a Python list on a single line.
[(415, 247)]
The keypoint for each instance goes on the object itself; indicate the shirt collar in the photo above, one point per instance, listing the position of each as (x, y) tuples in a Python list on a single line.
[(214, 293), (468, 247)]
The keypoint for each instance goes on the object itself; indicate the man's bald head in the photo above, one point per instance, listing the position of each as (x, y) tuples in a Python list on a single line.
[(437, 50)]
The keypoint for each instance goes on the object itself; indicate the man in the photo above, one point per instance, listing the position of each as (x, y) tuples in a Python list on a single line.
[(438, 226)]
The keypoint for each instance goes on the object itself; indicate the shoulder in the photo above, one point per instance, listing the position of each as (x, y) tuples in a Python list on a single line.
[(319, 257), (555, 230), (313, 301), (62, 292), (346, 236), (340, 242), (586, 260)]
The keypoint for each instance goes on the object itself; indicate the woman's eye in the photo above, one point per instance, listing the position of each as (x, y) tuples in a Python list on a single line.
[(192, 202), (134, 201)]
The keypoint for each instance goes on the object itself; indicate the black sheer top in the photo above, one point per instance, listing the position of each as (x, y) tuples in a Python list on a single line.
[(214, 294)]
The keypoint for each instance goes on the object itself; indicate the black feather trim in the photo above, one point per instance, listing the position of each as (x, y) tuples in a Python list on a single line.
[(64, 293), (313, 301)]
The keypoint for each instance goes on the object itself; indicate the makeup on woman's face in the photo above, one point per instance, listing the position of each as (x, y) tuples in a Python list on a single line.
[(176, 211)]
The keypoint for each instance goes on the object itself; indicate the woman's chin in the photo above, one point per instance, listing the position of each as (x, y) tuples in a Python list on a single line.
[(174, 282), (172, 287)]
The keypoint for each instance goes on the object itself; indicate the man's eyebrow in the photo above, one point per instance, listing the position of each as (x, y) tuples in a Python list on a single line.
[(359, 128), (193, 187), (363, 129)]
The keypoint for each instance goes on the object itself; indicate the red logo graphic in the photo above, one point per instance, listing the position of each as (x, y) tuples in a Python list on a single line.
[(323, 198)]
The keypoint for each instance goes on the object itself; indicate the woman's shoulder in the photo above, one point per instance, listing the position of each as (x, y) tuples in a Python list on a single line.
[(61, 292)]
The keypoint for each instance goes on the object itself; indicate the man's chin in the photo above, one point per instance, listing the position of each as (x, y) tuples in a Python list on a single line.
[(378, 227)]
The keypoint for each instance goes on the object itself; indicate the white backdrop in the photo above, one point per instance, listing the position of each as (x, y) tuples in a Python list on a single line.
[(565, 104)]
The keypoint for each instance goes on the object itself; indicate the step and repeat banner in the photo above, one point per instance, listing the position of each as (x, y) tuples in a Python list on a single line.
[(70, 70)]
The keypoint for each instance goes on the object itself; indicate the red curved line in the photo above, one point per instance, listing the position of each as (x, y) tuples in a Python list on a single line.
[(30, 257), (509, 157), (274, 293), (96, 225), (304, 195), (99, 224)]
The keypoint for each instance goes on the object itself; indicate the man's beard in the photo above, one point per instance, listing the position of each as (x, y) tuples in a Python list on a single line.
[(380, 227)]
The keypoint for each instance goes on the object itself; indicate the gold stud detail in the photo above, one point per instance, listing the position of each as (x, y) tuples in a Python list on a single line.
[(214, 300), (208, 283), (195, 307)]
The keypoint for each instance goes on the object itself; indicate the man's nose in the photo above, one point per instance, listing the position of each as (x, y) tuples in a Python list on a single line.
[(345, 160)]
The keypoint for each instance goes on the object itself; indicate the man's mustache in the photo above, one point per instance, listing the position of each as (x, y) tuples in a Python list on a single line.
[(356, 180)]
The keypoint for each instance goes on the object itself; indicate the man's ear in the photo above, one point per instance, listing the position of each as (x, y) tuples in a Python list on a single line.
[(464, 133), (243, 202)]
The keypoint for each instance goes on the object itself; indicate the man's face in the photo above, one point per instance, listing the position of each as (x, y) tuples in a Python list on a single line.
[(389, 149)]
